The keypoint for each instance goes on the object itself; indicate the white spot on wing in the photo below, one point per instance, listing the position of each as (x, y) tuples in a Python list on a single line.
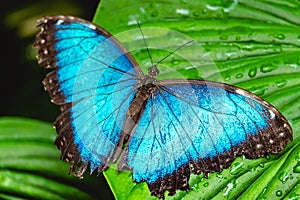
[(281, 134), (91, 26), (272, 114), (59, 22), (241, 92)]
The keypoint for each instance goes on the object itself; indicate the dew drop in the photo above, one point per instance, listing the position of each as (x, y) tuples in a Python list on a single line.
[(296, 168), (284, 177), (252, 72), (267, 68), (194, 187), (239, 75), (262, 165), (204, 11), (230, 187), (196, 13), (253, 169), (223, 37), (175, 62), (279, 193), (219, 175), (259, 90), (154, 13), (277, 36), (206, 184), (236, 168), (237, 38), (227, 77), (281, 83)]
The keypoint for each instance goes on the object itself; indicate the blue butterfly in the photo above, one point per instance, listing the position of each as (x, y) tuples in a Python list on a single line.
[(162, 130)]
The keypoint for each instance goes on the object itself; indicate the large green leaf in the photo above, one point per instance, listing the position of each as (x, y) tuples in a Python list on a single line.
[(251, 44), (30, 167)]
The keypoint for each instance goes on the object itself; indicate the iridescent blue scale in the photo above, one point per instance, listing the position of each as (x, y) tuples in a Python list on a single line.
[(163, 131)]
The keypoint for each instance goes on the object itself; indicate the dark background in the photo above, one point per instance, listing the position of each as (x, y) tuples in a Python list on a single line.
[(22, 92), (21, 88)]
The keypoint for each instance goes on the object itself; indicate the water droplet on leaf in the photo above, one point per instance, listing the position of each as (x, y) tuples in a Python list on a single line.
[(252, 72), (175, 62), (230, 187), (279, 193), (262, 165), (277, 36), (281, 83), (227, 77), (223, 37), (284, 177), (219, 175), (296, 168), (267, 68), (236, 168), (206, 184), (154, 14), (239, 75), (259, 90), (196, 13)]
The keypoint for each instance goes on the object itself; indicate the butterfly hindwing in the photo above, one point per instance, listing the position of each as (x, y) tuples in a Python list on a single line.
[(93, 81), (200, 126)]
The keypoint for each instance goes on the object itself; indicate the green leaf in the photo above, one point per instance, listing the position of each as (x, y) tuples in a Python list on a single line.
[(30, 167), (251, 44)]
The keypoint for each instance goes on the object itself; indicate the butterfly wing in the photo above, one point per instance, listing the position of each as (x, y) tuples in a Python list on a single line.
[(200, 126), (93, 81)]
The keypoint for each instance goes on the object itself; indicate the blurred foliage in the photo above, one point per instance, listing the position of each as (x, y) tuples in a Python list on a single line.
[(20, 79), (30, 168)]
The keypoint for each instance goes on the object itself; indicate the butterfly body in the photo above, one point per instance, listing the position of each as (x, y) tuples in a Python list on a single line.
[(145, 88), (162, 130)]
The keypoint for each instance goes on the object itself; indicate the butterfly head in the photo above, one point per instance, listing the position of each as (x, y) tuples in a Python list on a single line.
[(153, 71)]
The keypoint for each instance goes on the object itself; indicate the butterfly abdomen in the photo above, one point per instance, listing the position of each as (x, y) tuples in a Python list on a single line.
[(140, 100), (134, 114)]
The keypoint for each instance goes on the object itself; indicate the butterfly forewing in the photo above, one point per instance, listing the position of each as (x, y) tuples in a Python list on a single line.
[(93, 81)]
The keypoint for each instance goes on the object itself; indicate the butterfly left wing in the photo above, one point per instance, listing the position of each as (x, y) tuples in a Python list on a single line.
[(200, 126), (93, 81)]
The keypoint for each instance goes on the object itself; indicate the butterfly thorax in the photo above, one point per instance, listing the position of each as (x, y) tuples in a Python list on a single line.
[(145, 89)]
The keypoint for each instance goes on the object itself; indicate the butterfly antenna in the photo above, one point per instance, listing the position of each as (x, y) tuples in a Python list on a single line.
[(145, 43), (175, 50)]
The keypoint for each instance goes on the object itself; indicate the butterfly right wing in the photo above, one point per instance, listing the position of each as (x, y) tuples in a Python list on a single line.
[(94, 82), (200, 127)]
